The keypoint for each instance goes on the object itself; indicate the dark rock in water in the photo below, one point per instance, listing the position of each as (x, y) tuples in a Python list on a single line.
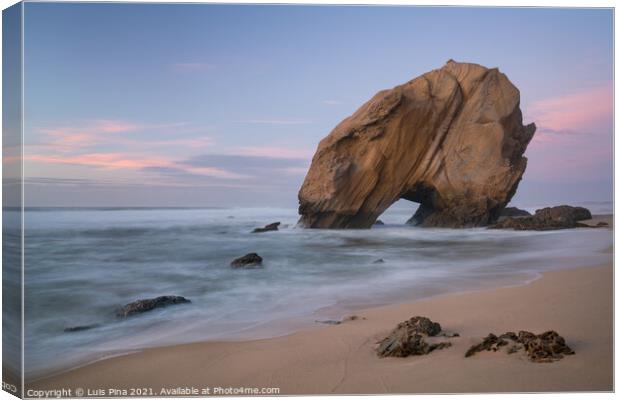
[(267, 228), (141, 306), (328, 322), (514, 212), (546, 347), (550, 218), (408, 338), (247, 261), (336, 322), (379, 261), (352, 318), (602, 224), (80, 328), (379, 222)]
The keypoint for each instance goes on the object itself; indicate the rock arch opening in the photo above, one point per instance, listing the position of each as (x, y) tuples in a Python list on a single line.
[(399, 213)]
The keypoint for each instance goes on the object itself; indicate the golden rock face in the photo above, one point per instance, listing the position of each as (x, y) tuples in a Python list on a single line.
[(451, 140)]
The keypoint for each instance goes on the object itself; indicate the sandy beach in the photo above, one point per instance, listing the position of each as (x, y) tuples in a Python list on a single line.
[(577, 303)]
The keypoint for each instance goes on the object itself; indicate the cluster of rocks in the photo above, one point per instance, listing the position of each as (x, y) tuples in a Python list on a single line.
[(415, 336), (549, 218), (251, 260), (411, 338), (546, 347)]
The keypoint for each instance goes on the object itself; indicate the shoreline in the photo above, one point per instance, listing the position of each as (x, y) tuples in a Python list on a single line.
[(313, 356)]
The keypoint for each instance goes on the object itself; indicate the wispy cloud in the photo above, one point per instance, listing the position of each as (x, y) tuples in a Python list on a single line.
[(82, 135), (193, 67), (279, 121), (253, 167), (241, 162), (133, 162), (85, 144), (574, 113), (103, 160), (144, 152)]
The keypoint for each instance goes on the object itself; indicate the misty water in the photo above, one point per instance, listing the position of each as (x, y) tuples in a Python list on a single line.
[(83, 264)]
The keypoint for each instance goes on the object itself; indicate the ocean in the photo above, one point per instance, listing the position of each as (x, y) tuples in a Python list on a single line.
[(81, 265)]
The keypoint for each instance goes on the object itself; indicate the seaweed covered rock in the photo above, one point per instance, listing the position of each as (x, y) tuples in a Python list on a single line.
[(409, 338), (546, 347), (549, 218), (451, 139)]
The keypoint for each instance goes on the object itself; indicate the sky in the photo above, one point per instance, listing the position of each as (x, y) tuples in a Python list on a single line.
[(224, 105)]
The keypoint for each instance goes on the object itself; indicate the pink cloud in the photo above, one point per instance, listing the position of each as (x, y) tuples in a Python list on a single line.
[(104, 160), (132, 162), (576, 112), (88, 134), (198, 142)]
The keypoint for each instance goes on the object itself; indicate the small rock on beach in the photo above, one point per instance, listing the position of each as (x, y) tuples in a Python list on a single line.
[(409, 339), (546, 347)]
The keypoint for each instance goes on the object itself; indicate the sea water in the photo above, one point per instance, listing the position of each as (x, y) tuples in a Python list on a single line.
[(81, 265)]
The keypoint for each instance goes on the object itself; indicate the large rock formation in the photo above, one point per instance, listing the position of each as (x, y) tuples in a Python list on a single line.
[(451, 140)]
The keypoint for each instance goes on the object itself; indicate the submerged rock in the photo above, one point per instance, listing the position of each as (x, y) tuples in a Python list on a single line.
[(379, 261), (379, 222), (451, 140), (353, 318), (409, 338), (267, 228), (80, 328), (549, 218), (546, 347), (141, 306), (328, 321), (249, 260)]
